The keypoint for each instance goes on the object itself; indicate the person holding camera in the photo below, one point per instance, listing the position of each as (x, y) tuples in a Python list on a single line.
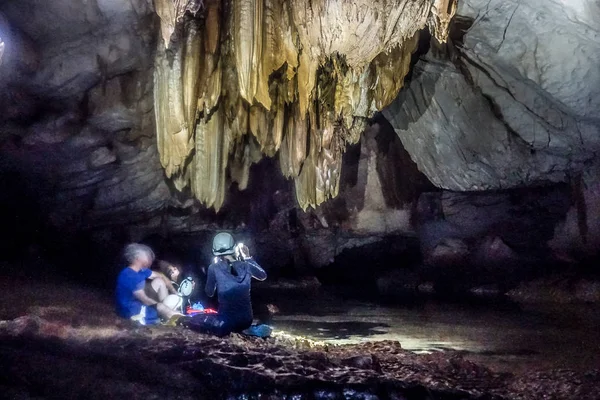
[(230, 276)]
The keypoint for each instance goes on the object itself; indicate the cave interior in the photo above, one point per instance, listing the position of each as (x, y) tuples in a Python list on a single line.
[(391, 153)]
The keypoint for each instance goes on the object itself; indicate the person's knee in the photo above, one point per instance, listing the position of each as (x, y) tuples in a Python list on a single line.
[(172, 301), (164, 311), (158, 284), (151, 291)]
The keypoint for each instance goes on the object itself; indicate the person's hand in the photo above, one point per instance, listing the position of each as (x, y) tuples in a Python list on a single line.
[(244, 251)]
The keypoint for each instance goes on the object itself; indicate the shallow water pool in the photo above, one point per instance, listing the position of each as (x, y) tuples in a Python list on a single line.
[(503, 336)]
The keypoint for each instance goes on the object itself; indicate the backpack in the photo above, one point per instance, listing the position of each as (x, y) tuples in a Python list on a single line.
[(185, 287)]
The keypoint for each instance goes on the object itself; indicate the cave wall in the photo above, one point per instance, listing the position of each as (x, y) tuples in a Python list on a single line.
[(510, 102), (78, 140), (77, 124)]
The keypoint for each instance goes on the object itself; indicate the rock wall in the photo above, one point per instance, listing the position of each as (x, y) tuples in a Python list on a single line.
[(77, 137), (577, 237), (512, 101)]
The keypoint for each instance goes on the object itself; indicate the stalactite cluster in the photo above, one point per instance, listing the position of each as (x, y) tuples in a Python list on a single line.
[(237, 80)]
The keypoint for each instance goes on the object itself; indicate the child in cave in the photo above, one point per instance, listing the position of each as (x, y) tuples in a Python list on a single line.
[(183, 282)]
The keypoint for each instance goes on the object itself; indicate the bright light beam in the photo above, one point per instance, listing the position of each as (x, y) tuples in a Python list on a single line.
[(1, 50)]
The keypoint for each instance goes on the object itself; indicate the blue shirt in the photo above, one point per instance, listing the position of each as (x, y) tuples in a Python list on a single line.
[(128, 282)]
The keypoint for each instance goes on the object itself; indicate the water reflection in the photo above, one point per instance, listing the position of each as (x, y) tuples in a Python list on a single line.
[(505, 336), (336, 331)]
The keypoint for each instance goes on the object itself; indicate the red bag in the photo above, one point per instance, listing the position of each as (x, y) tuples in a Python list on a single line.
[(190, 311)]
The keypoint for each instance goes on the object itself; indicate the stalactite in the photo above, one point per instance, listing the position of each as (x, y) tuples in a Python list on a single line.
[(210, 84), (175, 138), (191, 73), (209, 166), (246, 153), (293, 149), (299, 80)]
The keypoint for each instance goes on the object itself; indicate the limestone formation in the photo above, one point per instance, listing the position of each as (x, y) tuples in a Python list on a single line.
[(513, 102), (76, 111), (301, 78)]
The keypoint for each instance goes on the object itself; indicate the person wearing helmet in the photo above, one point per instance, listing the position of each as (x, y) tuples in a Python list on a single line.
[(230, 277)]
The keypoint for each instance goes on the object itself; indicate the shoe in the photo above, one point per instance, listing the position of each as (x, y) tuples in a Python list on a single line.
[(174, 320), (261, 330)]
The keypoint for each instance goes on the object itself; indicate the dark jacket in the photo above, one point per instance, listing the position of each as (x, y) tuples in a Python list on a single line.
[(231, 281)]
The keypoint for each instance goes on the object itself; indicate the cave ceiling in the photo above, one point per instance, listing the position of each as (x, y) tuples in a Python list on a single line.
[(239, 80)]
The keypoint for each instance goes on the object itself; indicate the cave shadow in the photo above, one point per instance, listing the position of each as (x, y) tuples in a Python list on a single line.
[(428, 62), (360, 267), (332, 330), (317, 304), (405, 109)]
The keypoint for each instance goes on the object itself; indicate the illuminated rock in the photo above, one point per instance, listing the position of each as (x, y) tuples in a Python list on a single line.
[(301, 77), (513, 103)]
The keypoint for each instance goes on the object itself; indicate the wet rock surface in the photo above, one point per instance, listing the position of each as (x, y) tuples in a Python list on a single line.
[(43, 357), (557, 289), (60, 349)]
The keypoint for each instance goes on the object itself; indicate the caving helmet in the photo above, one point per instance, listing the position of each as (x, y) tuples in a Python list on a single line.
[(223, 244)]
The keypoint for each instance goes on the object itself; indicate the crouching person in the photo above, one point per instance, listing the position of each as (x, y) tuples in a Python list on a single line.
[(230, 277), (143, 295)]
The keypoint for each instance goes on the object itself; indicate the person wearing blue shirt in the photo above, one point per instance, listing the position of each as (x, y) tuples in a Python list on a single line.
[(135, 298)]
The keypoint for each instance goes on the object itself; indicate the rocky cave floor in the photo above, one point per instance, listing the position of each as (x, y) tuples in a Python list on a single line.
[(59, 340)]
